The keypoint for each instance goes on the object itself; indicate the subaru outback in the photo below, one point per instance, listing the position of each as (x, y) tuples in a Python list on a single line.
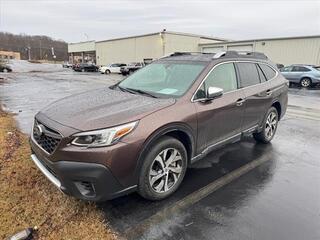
[(142, 133)]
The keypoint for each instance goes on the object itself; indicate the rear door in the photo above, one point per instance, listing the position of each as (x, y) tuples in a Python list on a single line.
[(221, 118), (258, 95)]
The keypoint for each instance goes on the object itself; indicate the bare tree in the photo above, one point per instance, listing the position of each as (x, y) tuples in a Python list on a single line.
[(40, 47)]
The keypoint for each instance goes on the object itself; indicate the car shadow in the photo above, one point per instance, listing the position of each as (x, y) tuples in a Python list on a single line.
[(128, 212)]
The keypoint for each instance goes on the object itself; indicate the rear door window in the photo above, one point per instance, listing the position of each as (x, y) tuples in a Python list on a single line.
[(304, 69), (248, 74), (268, 71)]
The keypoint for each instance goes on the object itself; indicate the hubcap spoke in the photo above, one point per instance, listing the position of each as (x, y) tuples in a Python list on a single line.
[(175, 169), (155, 178), (159, 187)]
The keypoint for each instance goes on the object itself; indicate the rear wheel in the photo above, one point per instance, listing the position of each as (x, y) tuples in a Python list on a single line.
[(305, 82), (270, 124), (83, 70), (163, 169)]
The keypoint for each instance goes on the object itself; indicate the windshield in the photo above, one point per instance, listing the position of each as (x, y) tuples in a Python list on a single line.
[(164, 79)]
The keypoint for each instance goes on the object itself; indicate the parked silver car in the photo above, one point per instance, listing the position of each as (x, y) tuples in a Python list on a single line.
[(305, 75)]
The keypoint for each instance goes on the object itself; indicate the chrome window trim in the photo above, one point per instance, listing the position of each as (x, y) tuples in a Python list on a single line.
[(232, 61)]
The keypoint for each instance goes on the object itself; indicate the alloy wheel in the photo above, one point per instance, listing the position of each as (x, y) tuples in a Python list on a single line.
[(165, 170), (271, 125), (305, 82)]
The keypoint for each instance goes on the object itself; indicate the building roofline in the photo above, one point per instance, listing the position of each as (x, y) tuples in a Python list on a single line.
[(83, 42), (262, 39), (163, 32)]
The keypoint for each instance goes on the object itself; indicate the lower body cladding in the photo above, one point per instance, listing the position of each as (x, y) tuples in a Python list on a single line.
[(87, 181)]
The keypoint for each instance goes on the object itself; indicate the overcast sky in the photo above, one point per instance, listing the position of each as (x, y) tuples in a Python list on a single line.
[(79, 20)]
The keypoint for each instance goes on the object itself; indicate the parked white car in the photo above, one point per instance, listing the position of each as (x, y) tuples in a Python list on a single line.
[(112, 68)]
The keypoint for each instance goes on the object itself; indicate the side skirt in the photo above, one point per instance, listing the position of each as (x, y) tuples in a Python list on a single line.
[(235, 138)]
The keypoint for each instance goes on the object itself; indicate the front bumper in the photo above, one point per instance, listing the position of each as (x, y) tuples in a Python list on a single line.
[(87, 181)]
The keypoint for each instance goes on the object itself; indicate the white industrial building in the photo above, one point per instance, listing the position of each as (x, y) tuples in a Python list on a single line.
[(139, 48), (290, 50)]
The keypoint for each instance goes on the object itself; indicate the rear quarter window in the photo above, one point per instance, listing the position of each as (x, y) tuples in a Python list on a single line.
[(268, 71)]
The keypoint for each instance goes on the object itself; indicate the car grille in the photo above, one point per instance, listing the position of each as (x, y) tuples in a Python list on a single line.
[(47, 138)]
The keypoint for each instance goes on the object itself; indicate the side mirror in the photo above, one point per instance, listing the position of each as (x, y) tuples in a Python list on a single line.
[(214, 92)]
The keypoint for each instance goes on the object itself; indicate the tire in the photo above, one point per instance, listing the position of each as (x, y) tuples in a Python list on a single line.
[(5, 70), (83, 70), (107, 71), (270, 124), (305, 82), (158, 180)]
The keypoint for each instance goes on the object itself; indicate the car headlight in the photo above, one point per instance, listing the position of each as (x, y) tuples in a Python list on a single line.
[(102, 137)]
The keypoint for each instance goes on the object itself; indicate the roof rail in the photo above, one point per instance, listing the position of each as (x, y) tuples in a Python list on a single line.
[(240, 54)]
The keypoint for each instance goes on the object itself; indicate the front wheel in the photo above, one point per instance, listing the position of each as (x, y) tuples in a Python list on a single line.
[(163, 169), (270, 124), (107, 71)]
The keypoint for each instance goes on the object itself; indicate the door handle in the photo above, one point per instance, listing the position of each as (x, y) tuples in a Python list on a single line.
[(240, 101), (269, 92)]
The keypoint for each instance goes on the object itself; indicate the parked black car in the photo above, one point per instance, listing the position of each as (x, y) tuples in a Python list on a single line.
[(5, 68), (131, 67), (85, 67)]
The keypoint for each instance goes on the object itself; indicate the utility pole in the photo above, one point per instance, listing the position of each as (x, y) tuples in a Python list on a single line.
[(29, 52), (40, 50)]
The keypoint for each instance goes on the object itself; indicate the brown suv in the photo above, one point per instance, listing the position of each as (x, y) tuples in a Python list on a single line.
[(142, 133)]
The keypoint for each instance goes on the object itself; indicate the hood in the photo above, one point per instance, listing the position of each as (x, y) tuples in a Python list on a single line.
[(102, 108)]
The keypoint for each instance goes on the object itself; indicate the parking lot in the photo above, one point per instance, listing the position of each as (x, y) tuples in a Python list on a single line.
[(243, 191)]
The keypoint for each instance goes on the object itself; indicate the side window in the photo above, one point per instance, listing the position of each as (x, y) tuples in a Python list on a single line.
[(222, 76), (304, 69), (296, 69), (248, 74), (268, 71), (286, 69), (261, 74)]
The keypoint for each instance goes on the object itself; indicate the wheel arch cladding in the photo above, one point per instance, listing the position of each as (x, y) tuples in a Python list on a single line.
[(277, 106), (180, 131)]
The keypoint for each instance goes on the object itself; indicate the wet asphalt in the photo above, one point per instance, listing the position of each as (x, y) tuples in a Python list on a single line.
[(243, 191)]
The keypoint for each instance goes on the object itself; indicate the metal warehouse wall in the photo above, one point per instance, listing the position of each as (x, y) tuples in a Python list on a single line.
[(285, 51), (128, 50), (178, 43), (81, 47), (154, 46), (304, 50)]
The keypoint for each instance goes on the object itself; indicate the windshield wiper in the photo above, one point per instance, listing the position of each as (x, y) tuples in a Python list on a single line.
[(141, 92)]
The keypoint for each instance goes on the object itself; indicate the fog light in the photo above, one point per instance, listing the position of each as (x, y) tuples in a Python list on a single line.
[(85, 188)]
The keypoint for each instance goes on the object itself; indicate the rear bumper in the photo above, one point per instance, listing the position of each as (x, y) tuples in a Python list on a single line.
[(87, 181)]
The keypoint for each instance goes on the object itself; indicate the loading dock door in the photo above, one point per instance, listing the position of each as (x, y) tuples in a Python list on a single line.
[(248, 48)]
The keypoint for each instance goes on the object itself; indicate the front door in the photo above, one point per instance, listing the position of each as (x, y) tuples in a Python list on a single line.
[(221, 118)]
